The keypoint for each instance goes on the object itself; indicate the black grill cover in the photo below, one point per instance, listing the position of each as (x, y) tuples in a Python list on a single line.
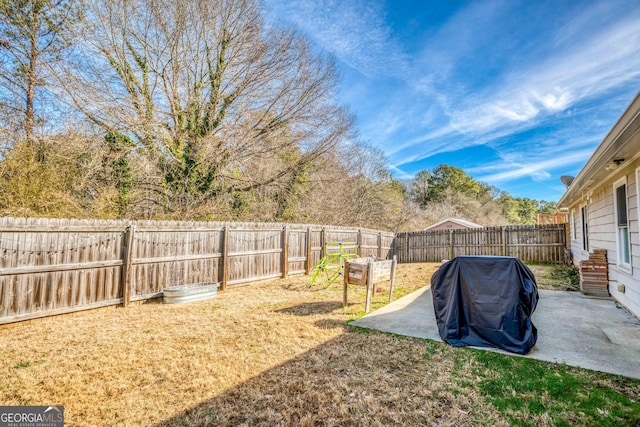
[(486, 301)]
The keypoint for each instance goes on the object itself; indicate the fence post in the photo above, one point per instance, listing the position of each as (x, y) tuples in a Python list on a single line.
[(504, 240), (379, 244), (566, 244), (359, 243), (323, 242), (285, 252), (406, 246), (307, 265), (225, 257), (394, 243), (450, 244), (126, 270)]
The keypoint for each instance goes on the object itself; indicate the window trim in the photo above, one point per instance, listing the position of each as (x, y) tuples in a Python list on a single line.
[(638, 196), (584, 226), (619, 262)]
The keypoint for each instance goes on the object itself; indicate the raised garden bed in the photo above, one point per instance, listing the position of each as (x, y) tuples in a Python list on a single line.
[(368, 272)]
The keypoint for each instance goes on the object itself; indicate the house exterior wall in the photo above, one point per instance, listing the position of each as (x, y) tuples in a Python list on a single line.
[(602, 232), (576, 234)]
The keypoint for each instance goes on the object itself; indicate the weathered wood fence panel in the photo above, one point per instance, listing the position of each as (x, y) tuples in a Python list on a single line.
[(368, 244), (49, 266), (386, 245), (173, 254), (255, 254), (543, 244), (297, 250), (54, 266)]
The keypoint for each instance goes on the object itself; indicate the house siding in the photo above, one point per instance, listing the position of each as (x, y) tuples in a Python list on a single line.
[(602, 234), (631, 280), (601, 229)]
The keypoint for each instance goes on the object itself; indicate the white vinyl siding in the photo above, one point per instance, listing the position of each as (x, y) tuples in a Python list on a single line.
[(603, 234)]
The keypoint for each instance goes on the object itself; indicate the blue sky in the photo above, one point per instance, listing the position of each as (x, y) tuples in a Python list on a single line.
[(516, 93)]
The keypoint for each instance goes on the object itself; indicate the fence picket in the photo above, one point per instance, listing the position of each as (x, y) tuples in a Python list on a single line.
[(542, 244), (54, 266)]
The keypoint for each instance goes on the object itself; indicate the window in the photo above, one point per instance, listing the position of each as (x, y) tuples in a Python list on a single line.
[(574, 227), (584, 212), (638, 194), (622, 223)]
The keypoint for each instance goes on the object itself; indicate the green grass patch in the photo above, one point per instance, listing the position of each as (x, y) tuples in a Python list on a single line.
[(567, 275), (22, 364), (359, 329), (430, 350), (529, 392), (556, 277)]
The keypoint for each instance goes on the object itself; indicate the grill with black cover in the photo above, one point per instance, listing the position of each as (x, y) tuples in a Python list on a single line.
[(486, 301)]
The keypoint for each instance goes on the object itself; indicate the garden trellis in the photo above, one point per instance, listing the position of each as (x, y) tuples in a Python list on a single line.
[(331, 266)]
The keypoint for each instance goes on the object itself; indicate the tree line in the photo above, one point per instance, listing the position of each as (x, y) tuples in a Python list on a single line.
[(198, 109)]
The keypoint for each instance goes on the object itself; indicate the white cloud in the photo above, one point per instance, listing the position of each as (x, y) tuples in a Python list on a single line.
[(554, 101), (400, 173), (537, 170), (595, 59), (419, 141), (606, 59), (572, 66), (355, 31), (546, 158)]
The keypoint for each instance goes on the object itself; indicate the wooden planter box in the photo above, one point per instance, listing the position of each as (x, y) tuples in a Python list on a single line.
[(367, 272)]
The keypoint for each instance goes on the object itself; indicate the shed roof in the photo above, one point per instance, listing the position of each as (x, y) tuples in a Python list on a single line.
[(461, 222)]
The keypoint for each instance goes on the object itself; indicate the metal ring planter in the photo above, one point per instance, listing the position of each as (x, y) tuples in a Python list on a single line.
[(189, 293)]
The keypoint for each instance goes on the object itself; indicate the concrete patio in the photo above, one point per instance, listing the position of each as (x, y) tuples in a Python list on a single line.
[(589, 333)]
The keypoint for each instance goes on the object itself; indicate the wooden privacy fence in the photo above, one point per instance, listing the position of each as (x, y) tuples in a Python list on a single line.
[(54, 266), (542, 244)]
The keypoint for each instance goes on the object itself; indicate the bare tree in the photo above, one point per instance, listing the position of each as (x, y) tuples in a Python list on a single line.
[(33, 33), (207, 91), (352, 187)]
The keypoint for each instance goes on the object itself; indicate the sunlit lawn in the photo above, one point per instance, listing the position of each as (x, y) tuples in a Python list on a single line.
[(281, 353)]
